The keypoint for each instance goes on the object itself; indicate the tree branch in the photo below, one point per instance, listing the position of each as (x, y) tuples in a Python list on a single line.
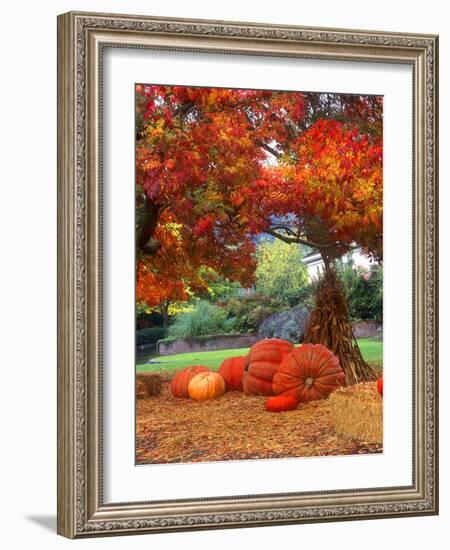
[(270, 149), (300, 240), (287, 229)]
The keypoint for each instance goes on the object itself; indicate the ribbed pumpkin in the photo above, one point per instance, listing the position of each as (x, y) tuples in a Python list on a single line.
[(231, 371), (280, 403), (262, 363), (310, 372), (380, 385), (180, 382), (206, 385)]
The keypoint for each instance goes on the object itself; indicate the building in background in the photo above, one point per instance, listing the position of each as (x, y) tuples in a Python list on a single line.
[(315, 265)]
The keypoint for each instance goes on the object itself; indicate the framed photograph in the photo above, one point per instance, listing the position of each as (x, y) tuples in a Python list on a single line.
[(247, 274)]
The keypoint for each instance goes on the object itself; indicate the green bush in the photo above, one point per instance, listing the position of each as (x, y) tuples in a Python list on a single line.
[(220, 289), (147, 319), (364, 291), (204, 319), (149, 335), (249, 311)]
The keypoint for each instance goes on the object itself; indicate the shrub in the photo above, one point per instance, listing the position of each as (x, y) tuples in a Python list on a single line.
[(146, 319), (249, 311), (204, 319), (257, 315), (364, 291), (149, 335), (220, 289)]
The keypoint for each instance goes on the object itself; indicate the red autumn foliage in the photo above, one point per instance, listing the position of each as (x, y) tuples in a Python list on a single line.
[(331, 197)]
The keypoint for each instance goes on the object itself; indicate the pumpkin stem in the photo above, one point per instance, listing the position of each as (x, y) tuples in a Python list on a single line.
[(309, 382)]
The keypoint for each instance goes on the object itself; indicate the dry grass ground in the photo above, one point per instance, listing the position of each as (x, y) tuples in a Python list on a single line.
[(236, 426)]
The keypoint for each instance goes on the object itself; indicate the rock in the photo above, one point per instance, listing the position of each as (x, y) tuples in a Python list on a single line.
[(289, 324), (368, 329)]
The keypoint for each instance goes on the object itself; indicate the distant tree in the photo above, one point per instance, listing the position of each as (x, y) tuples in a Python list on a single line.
[(219, 288), (280, 272), (364, 290)]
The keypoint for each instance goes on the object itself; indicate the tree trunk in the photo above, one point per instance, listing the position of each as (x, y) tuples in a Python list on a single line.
[(329, 325), (164, 310), (146, 243)]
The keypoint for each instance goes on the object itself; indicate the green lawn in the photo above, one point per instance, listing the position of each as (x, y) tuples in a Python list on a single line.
[(211, 359), (372, 351)]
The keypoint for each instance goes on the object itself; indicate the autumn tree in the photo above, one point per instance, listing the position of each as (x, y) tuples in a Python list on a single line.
[(223, 166), (197, 150), (331, 201)]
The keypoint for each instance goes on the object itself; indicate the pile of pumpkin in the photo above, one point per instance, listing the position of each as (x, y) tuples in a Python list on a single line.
[(274, 368)]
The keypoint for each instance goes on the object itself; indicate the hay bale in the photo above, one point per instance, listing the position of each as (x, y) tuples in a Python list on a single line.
[(357, 412), (141, 389), (148, 384)]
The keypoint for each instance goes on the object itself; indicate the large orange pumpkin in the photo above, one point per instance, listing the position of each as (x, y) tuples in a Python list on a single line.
[(262, 363), (280, 403), (180, 382), (206, 385), (231, 371), (310, 372)]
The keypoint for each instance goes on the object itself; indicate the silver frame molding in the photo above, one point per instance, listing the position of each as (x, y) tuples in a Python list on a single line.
[(81, 39)]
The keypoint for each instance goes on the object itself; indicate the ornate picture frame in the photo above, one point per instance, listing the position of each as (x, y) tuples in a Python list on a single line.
[(82, 38)]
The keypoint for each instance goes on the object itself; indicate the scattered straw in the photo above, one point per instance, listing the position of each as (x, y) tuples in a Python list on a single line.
[(235, 426)]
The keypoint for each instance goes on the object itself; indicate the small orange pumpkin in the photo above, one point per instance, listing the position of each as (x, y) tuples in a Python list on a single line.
[(231, 371), (180, 382), (206, 385), (263, 361), (281, 403), (380, 385)]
